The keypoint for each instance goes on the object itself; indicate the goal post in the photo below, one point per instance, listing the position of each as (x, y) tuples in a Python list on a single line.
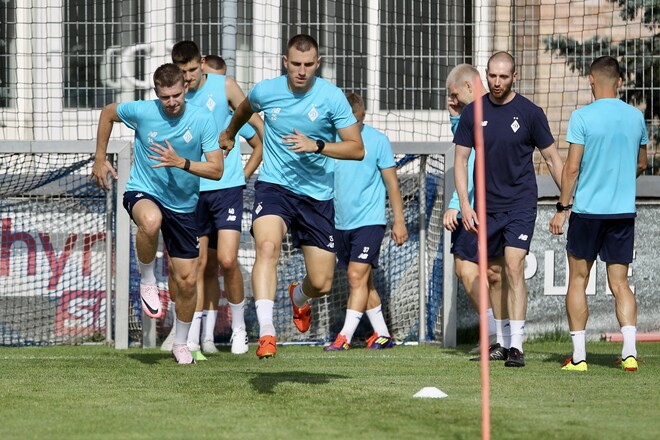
[(82, 284), (56, 288)]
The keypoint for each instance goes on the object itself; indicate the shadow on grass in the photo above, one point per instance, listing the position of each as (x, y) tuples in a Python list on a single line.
[(150, 358), (264, 383), (604, 360)]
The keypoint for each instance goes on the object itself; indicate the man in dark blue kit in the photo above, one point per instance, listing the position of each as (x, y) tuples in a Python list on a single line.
[(513, 128)]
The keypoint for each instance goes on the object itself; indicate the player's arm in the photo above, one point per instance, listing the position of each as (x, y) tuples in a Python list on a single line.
[(102, 166), (553, 161), (350, 147), (235, 97), (399, 231), (242, 114), (256, 156), (642, 160), (569, 178), (469, 217), (168, 157)]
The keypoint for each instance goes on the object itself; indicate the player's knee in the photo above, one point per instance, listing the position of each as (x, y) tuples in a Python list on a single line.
[(228, 263), (268, 249), (356, 278)]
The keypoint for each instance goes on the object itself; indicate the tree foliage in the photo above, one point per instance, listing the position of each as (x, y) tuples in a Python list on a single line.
[(639, 58)]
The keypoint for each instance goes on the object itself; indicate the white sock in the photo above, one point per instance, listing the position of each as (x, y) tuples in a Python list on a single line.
[(629, 333), (350, 324), (172, 307), (299, 297), (237, 315), (195, 328), (182, 330), (264, 309), (377, 321), (503, 331), (209, 317), (517, 333), (492, 329), (579, 347), (147, 273)]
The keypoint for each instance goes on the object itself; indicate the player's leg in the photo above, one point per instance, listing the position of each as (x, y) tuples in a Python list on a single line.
[(184, 274), (194, 334), (227, 255), (211, 298), (516, 298), (358, 275), (577, 309), (497, 303), (617, 253), (168, 343), (181, 241), (268, 232), (381, 337), (148, 217)]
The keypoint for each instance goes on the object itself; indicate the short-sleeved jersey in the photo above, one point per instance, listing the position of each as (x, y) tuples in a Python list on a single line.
[(233, 174), (454, 202), (511, 133), (317, 114), (191, 134), (359, 187), (611, 132)]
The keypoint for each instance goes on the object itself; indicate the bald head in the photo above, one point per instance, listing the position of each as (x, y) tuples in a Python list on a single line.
[(502, 58), (460, 74)]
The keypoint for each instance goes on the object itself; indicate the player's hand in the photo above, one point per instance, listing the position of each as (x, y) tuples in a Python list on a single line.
[(399, 233), (557, 223), (469, 218), (450, 219), (299, 143), (100, 172), (454, 106), (165, 155), (226, 142)]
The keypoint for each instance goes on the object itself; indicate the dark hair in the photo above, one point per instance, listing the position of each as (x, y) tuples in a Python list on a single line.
[(168, 75), (356, 102), (607, 66), (185, 51), (303, 43), (215, 62)]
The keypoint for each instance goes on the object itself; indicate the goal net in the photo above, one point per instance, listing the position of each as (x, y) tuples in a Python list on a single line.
[(53, 255)]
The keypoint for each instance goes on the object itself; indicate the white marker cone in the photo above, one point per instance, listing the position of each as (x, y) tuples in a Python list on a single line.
[(430, 393)]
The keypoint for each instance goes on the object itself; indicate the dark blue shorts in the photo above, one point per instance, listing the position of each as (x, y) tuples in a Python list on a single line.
[(611, 239), (510, 229), (310, 221), (220, 210), (464, 244), (361, 245), (179, 230)]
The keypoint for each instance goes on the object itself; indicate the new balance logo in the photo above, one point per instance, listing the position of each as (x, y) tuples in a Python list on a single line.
[(484, 123), (231, 218), (523, 237), (363, 256)]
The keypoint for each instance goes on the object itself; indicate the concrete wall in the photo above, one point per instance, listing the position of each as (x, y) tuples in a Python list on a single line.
[(546, 280)]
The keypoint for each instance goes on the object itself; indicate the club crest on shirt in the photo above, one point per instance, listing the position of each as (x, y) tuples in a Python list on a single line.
[(515, 126), (210, 103), (188, 136), (313, 114)]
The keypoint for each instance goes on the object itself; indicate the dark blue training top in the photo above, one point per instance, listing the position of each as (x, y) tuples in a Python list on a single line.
[(511, 133)]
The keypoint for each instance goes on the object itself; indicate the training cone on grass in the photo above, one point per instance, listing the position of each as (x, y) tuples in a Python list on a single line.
[(430, 393)]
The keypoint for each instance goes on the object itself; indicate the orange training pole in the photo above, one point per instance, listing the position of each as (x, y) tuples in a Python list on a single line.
[(480, 202)]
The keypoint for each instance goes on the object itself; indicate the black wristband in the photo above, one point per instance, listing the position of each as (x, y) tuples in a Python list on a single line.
[(186, 166), (562, 208), (320, 145)]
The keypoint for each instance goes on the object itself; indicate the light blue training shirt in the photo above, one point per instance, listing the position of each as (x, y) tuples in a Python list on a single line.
[(611, 132), (454, 202), (359, 187), (317, 114), (191, 134)]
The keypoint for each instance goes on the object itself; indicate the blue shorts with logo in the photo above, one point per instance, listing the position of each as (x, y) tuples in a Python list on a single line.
[(613, 239), (360, 245), (310, 221), (464, 244), (218, 211), (179, 230), (510, 229)]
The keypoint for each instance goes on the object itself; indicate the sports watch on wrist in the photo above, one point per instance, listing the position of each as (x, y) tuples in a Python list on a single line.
[(562, 208), (320, 145)]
